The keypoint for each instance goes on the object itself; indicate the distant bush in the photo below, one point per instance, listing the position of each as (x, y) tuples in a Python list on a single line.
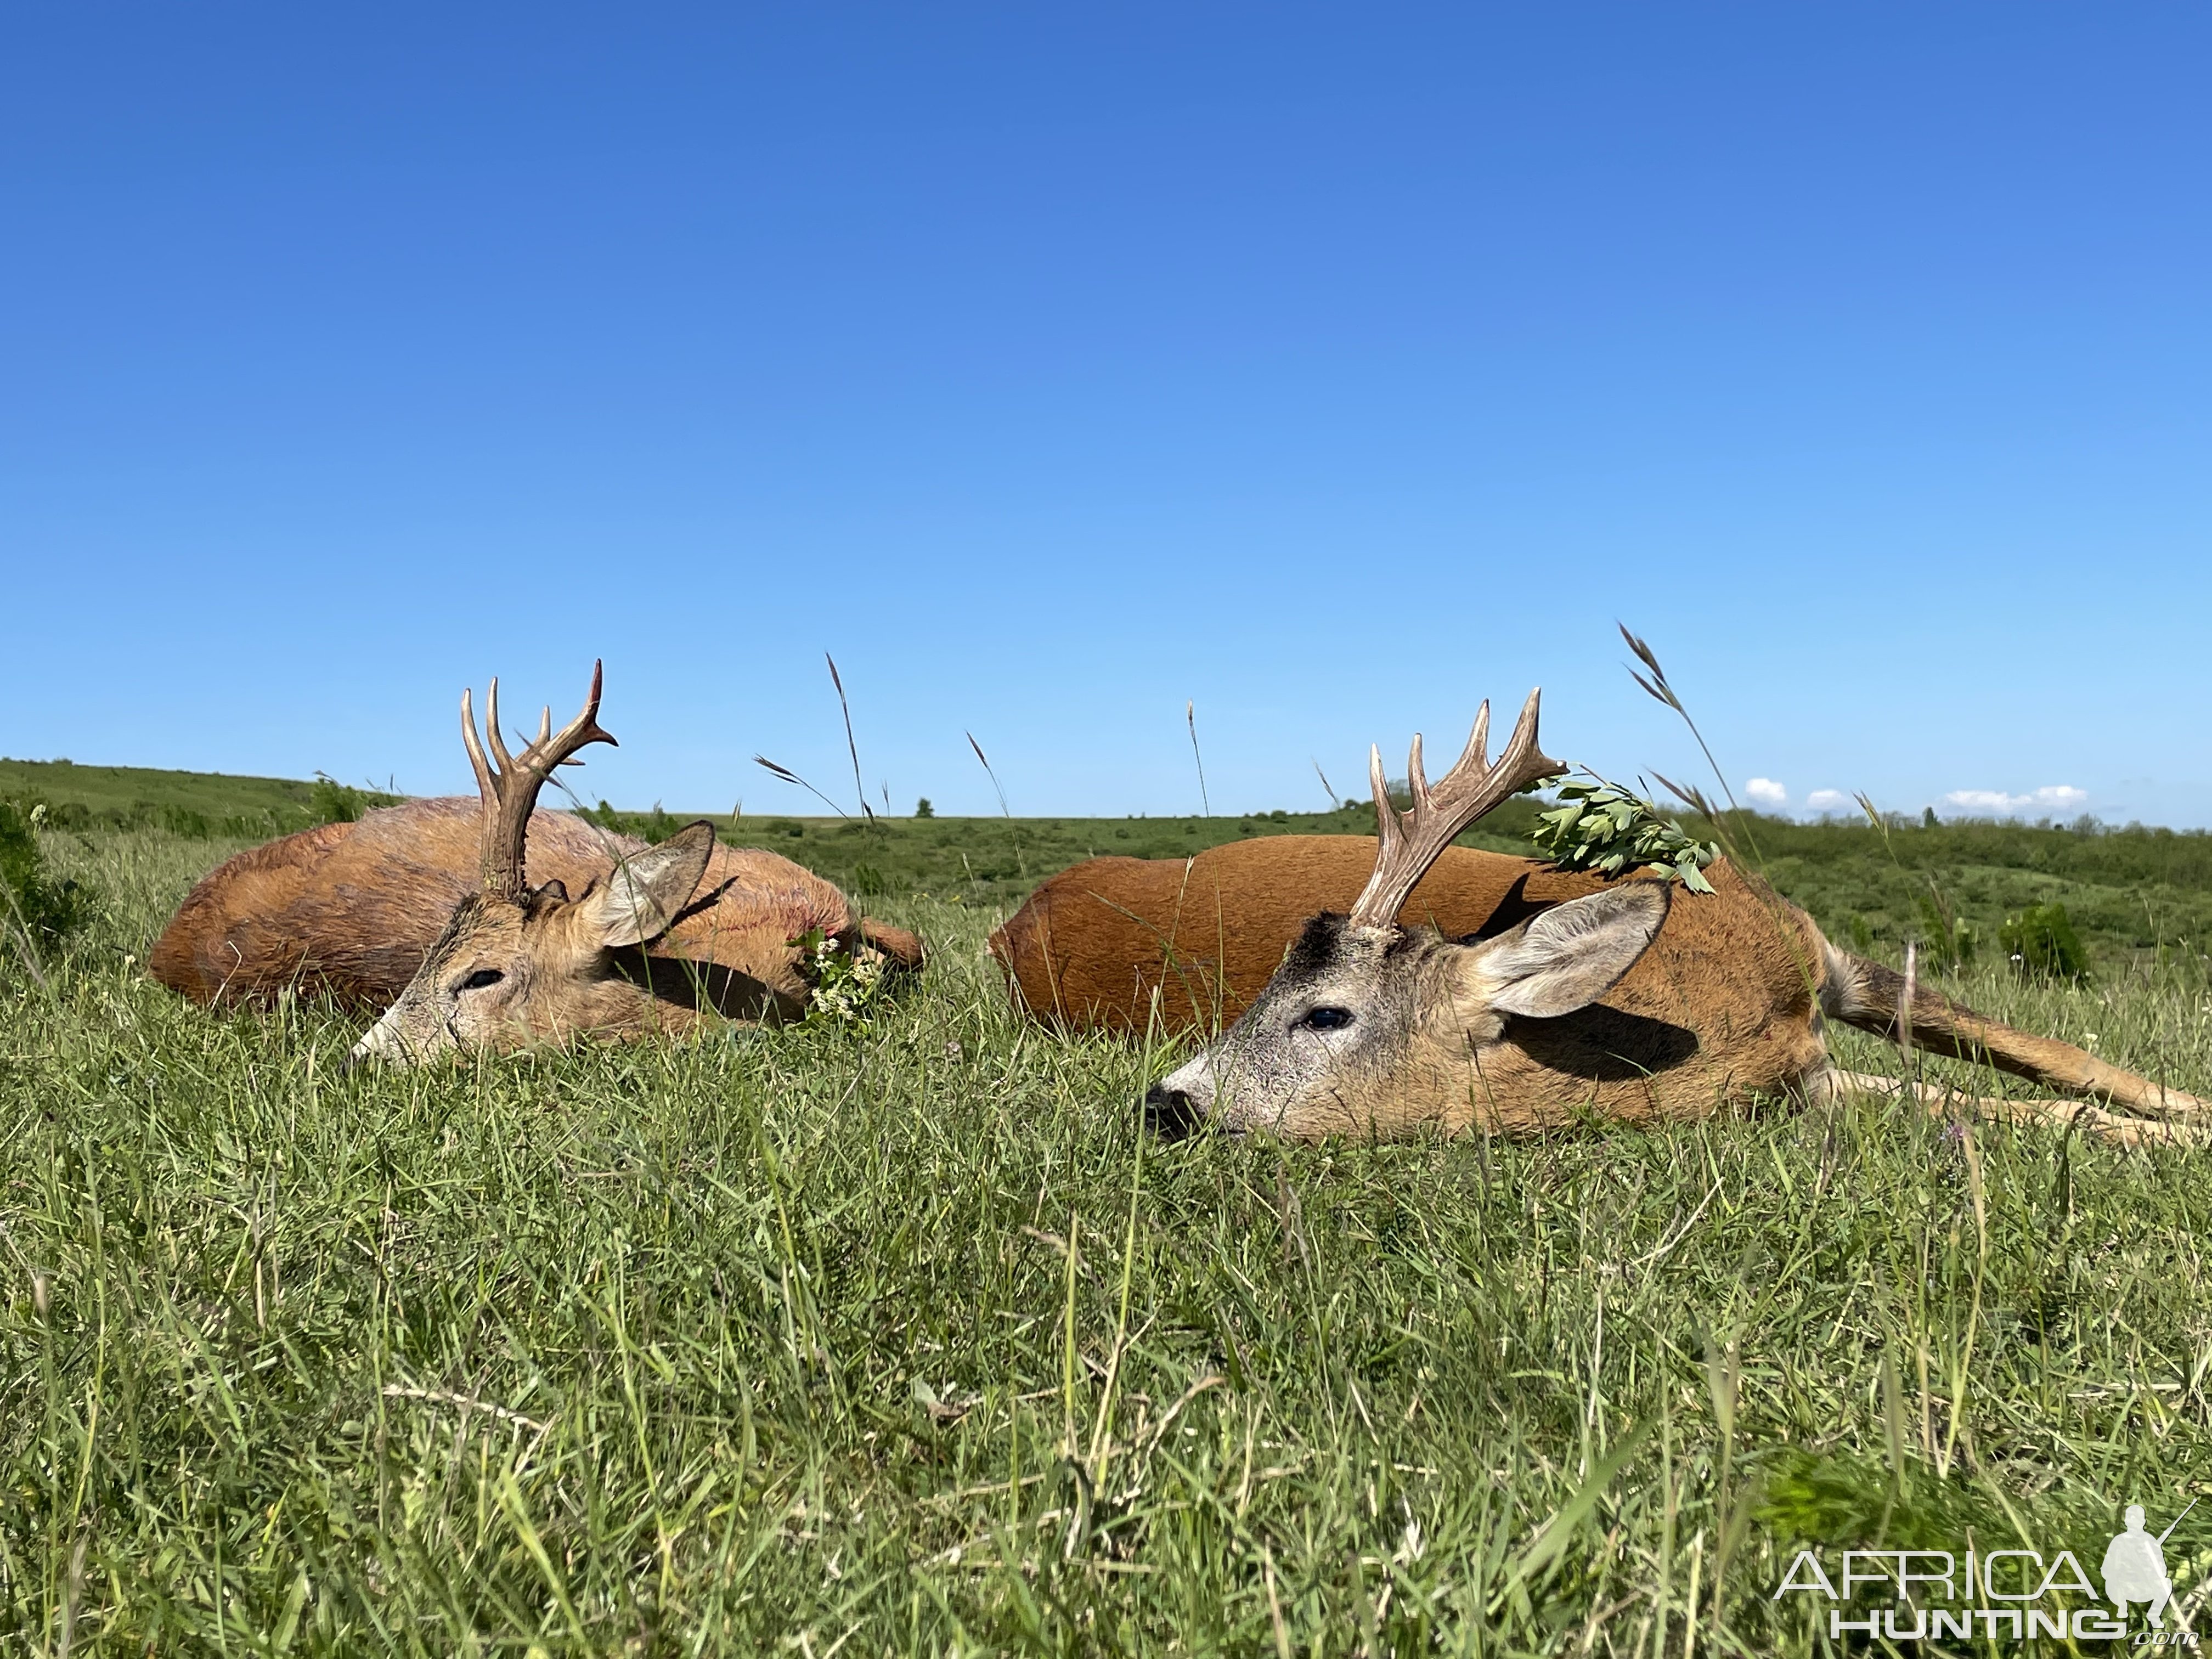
[(42, 910), (654, 827), (329, 801), (922, 809), (2042, 943), (185, 822), (76, 816), (1947, 942)]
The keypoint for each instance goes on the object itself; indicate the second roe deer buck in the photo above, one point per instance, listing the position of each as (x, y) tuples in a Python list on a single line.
[(518, 964), (355, 910), (1547, 994)]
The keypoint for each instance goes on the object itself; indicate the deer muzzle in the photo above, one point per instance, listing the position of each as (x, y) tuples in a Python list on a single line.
[(380, 1041)]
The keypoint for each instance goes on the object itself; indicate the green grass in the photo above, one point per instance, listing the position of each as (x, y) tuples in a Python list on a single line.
[(904, 1339)]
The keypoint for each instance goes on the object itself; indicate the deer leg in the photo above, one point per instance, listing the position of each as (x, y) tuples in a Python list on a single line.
[(1875, 998), (2113, 1127)]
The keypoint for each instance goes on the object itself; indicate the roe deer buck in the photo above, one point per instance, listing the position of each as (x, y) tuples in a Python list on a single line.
[(1546, 995), (354, 910)]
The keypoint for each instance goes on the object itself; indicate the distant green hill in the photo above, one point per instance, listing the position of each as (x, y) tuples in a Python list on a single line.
[(187, 803), (2127, 890)]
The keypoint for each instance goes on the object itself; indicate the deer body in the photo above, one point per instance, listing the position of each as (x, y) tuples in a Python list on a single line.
[(1722, 1004), (1090, 945), (1465, 990), (351, 909), (427, 908)]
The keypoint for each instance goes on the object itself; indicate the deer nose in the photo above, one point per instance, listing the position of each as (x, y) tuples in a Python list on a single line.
[(1169, 1112)]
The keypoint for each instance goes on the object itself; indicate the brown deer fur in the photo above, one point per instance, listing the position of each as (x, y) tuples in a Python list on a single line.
[(1093, 942), (351, 909)]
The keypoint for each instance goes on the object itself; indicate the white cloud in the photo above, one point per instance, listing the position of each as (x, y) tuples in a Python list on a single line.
[(1827, 801), (1767, 792), (2052, 798)]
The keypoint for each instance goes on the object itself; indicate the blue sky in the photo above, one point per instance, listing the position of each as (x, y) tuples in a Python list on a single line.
[(1055, 367)]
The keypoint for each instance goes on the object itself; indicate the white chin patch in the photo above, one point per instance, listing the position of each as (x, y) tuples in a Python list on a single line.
[(380, 1041)]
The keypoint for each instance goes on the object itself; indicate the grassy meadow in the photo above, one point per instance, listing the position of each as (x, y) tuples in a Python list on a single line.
[(904, 1338)]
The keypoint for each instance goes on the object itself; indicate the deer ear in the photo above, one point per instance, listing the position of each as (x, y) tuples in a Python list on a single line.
[(649, 891), (1573, 954)]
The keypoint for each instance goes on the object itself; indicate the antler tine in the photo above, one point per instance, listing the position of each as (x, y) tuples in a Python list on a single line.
[(546, 730), (1386, 825), (510, 787), (584, 729), (1408, 843), (487, 784), (1478, 742), (491, 729)]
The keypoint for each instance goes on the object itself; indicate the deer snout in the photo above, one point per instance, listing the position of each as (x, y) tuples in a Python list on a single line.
[(1184, 1099), (380, 1041), (1171, 1114)]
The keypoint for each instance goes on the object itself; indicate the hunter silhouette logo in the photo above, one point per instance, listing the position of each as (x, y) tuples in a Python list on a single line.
[(2135, 1566)]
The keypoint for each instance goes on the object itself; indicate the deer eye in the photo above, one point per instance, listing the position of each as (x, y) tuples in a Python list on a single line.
[(479, 980), (1327, 1019)]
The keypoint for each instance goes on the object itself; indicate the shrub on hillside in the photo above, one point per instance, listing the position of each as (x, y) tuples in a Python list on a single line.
[(42, 910), (654, 827), (329, 801), (185, 822), (2042, 943), (1948, 943)]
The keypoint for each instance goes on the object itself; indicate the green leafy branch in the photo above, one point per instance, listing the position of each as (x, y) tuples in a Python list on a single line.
[(1603, 827)]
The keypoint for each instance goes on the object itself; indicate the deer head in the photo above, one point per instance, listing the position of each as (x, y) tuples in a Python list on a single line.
[(1372, 1029), (517, 965)]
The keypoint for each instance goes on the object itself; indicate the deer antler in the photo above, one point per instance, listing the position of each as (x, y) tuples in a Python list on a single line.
[(1410, 842), (510, 788)]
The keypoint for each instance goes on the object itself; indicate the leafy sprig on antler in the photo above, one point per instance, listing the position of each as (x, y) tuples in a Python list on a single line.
[(1604, 826)]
